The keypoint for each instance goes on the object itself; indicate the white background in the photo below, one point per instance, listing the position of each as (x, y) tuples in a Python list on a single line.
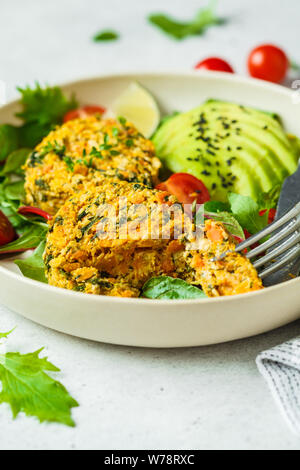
[(205, 398)]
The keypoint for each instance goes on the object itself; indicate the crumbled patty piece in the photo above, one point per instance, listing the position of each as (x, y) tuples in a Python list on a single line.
[(83, 150), (87, 249)]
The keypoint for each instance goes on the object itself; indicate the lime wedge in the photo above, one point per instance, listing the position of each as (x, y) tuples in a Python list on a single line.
[(138, 106)]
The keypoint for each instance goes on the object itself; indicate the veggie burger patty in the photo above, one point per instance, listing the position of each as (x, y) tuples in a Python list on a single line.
[(83, 150), (87, 251)]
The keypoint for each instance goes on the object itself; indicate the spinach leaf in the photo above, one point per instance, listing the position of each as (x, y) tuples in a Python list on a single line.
[(165, 287), (216, 206), (33, 266), (246, 211), (15, 161), (14, 190), (31, 238), (9, 140)]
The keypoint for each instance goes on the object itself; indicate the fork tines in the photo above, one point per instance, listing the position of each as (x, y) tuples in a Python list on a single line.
[(281, 248)]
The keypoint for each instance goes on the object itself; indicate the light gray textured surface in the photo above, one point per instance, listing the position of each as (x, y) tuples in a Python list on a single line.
[(205, 398)]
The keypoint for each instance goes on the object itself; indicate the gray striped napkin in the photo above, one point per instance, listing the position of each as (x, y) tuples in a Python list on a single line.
[(280, 366)]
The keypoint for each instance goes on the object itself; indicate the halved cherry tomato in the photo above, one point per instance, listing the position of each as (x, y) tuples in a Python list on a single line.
[(186, 188), (214, 63), (268, 62), (29, 210), (83, 112), (7, 232)]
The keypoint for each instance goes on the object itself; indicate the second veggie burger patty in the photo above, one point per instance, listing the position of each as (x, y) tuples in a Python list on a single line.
[(83, 150)]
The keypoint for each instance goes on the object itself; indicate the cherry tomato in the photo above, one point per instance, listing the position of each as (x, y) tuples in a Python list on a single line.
[(186, 188), (214, 63), (29, 210), (83, 112), (7, 232), (268, 62)]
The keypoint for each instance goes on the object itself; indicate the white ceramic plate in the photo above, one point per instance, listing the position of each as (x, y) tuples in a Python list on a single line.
[(176, 323)]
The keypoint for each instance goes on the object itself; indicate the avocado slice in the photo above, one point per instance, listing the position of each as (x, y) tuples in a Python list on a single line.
[(229, 147)]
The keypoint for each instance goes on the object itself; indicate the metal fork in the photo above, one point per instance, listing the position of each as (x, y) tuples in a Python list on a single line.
[(282, 248)]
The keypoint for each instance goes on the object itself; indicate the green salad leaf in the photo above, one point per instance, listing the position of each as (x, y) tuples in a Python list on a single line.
[(31, 238), (27, 388), (33, 266), (205, 18), (9, 140), (15, 161), (165, 287), (216, 206), (42, 109), (106, 35), (246, 211)]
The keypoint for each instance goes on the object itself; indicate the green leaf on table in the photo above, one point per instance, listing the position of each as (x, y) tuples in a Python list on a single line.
[(42, 109), (205, 18), (15, 161), (33, 266), (246, 211), (27, 388), (9, 140), (31, 238), (165, 287), (106, 35)]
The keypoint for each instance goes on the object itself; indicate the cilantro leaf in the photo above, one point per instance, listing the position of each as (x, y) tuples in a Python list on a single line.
[(205, 18), (33, 266), (246, 211), (27, 388), (106, 35), (165, 287)]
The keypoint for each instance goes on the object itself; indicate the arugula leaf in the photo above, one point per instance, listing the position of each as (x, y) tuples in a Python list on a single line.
[(15, 161), (205, 18), (27, 388), (165, 287), (9, 140), (106, 35), (246, 211), (229, 221), (31, 238), (33, 266), (43, 108)]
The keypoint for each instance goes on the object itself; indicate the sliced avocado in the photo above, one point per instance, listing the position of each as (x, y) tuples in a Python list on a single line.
[(229, 147)]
